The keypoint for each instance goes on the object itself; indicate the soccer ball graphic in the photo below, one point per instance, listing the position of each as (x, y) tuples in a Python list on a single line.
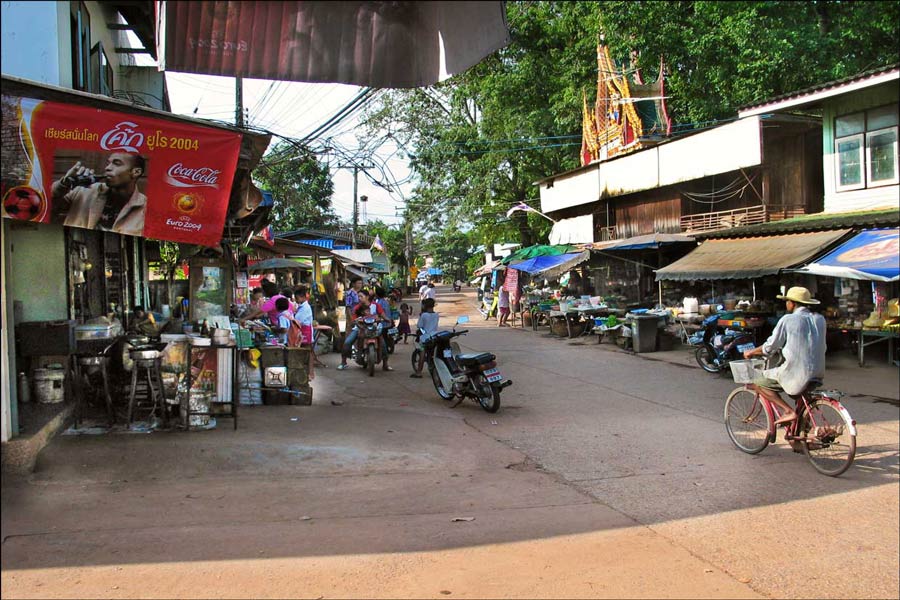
[(187, 203), (24, 202)]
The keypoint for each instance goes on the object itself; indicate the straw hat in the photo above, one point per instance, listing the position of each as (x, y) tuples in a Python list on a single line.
[(800, 295)]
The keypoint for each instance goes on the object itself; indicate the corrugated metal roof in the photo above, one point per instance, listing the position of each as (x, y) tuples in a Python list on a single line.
[(320, 243), (359, 255), (748, 258), (819, 87), (815, 222)]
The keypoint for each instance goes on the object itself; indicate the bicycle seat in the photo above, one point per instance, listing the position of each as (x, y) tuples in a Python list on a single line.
[(812, 385), (479, 358)]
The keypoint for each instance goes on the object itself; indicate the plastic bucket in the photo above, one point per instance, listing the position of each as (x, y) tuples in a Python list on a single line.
[(49, 385)]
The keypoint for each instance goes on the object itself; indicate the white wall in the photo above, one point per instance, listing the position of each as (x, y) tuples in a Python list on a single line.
[(31, 41), (720, 150)]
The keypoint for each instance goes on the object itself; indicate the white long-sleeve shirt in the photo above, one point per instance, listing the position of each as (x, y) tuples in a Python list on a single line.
[(800, 336)]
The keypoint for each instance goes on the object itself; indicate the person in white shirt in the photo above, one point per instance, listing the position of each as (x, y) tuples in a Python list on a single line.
[(304, 316), (428, 326), (503, 305), (800, 337)]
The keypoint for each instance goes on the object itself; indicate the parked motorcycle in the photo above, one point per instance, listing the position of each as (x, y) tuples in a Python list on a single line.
[(392, 339), (721, 346), (457, 375), (456, 287), (368, 350)]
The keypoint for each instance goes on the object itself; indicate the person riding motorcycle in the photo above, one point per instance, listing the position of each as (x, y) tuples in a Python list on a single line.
[(362, 309)]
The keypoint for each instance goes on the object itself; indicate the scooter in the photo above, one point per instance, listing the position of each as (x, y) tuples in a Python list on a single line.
[(488, 306), (719, 347), (368, 351), (456, 287), (459, 376)]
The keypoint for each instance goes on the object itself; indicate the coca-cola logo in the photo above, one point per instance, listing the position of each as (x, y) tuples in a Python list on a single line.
[(179, 175), (122, 137)]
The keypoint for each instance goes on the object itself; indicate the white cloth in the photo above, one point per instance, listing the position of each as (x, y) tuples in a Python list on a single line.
[(304, 314), (800, 336), (428, 323), (428, 293), (422, 291)]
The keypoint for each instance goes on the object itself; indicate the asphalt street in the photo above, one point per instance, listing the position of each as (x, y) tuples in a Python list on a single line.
[(604, 474)]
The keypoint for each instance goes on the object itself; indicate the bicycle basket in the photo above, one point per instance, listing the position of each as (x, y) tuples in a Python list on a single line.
[(745, 371)]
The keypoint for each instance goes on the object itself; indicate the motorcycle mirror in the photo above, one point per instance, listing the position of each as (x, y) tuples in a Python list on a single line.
[(462, 319)]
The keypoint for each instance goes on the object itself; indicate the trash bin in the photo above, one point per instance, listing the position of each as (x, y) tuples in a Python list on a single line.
[(644, 331)]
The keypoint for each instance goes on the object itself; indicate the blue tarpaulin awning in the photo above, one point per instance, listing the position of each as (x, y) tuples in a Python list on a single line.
[(872, 255), (435, 271)]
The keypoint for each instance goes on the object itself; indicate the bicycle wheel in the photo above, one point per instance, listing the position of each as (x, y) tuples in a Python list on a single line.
[(747, 421), (831, 444), (414, 358)]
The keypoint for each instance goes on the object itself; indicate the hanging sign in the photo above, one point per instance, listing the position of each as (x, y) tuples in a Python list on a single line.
[(99, 169)]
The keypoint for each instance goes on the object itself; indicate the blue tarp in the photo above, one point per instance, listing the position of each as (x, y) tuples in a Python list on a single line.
[(435, 271), (872, 255), (321, 243), (539, 264)]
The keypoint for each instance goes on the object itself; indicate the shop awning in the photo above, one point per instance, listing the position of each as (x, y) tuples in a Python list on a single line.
[(872, 255), (435, 271), (747, 258), (648, 242), (551, 266), (539, 250), (278, 264)]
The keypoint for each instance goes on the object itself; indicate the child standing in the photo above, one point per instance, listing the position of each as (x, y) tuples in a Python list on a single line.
[(404, 321)]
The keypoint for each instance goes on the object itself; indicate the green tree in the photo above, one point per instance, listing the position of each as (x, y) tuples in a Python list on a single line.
[(479, 141), (393, 238), (301, 186)]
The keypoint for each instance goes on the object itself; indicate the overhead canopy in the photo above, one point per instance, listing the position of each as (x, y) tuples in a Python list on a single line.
[(435, 271), (362, 256), (746, 258), (539, 250), (376, 44), (551, 266), (278, 264), (486, 269), (648, 242), (872, 255)]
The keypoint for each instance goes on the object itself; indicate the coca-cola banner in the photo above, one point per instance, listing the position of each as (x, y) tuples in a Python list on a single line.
[(99, 169)]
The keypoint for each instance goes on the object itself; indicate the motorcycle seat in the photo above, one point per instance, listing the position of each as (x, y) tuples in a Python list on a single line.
[(479, 358)]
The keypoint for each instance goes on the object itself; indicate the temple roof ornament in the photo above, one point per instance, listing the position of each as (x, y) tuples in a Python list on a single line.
[(628, 114)]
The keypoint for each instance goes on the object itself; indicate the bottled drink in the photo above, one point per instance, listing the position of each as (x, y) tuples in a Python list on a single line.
[(82, 180)]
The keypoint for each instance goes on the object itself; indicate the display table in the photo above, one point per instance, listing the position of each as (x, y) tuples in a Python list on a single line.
[(876, 336)]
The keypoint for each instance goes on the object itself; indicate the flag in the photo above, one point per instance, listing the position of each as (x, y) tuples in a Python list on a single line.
[(377, 244), (520, 206), (525, 208), (268, 235)]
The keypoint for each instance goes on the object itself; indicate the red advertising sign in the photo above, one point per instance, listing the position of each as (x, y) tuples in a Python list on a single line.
[(99, 169)]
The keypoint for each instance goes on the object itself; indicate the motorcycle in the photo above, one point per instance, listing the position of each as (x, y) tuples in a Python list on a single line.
[(460, 376), (488, 306), (392, 338), (721, 346), (368, 351), (456, 287)]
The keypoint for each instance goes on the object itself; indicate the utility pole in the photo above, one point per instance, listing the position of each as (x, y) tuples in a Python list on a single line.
[(356, 168), (355, 205), (239, 102), (407, 224)]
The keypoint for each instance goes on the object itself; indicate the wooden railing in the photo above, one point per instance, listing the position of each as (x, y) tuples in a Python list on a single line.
[(739, 217), (607, 234)]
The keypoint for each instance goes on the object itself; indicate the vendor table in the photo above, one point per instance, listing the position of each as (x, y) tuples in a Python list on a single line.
[(875, 336)]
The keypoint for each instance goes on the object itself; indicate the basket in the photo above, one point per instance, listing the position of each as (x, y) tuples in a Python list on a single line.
[(745, 371)]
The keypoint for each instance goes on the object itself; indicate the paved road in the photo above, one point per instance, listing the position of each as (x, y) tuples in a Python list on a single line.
[(603, 475)]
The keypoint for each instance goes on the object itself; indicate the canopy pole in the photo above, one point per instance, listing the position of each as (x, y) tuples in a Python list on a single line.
[(660, 293), (754, 290)]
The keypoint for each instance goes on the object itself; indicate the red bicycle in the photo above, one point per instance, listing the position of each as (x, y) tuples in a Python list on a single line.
[(823, 428)]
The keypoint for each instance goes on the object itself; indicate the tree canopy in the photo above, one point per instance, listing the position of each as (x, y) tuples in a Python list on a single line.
[(302, 188), (478, 142)]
